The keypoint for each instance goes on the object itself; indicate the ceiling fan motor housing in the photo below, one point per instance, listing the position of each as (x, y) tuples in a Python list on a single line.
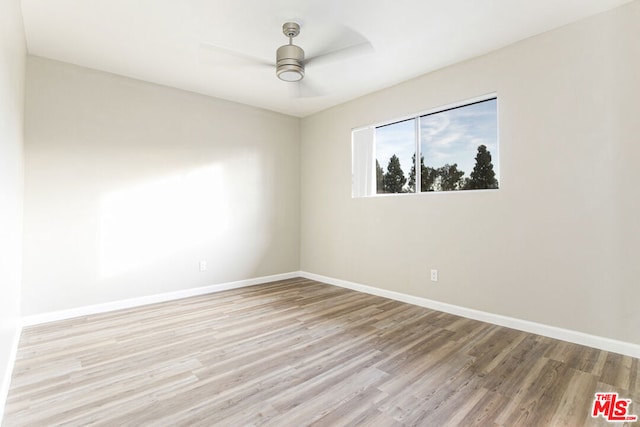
[(289, 65)]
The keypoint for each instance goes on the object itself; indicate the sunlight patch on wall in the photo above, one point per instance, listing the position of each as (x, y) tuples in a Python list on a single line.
[(148, 223)]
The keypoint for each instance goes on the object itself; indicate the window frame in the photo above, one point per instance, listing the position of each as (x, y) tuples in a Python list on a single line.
[(418, 143)]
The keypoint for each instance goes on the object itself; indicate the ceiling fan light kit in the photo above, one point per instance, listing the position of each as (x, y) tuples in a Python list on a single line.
[(290, 58)]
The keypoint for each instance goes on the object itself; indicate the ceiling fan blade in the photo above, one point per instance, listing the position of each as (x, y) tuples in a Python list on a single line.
[(238, 55), (309, 90), (304, 89), (341, 54)]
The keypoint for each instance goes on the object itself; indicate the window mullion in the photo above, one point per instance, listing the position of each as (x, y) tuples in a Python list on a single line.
[(417, 159)]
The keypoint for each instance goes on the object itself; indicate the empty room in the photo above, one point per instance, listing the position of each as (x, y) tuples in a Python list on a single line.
[(293, 213)]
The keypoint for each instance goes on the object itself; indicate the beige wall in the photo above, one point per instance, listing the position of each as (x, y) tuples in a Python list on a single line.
[(12, 63), (128, 185), (558, 243)]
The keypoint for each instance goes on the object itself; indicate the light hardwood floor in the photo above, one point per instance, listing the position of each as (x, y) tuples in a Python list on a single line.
[(297, 353)]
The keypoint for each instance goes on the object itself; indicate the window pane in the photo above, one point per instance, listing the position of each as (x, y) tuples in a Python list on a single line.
[(459, 148), (395, 147), (364, 174)]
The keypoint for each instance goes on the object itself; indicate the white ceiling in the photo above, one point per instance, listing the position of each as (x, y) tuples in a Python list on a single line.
[(169, 41)]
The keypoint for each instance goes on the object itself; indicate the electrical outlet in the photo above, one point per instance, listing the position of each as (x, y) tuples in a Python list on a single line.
[(434, 275), (203, 265)]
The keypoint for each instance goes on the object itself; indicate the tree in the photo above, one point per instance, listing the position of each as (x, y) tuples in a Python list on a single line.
[(466, 182), (394, 179), (483, 176), (428, 176), (412, 173), (379, 178), (428, 179), (450, 177)]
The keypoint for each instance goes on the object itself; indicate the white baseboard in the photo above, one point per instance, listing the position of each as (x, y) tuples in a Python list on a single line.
[(607, 344), (150, 299), (575, 337), (6, 380)]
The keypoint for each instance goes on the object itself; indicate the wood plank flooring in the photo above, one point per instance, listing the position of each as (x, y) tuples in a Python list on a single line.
[(303, 353)]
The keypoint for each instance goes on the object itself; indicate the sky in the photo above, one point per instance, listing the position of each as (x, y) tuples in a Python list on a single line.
[(451, 136)]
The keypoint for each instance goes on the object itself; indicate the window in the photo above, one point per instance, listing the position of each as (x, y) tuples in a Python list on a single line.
[(395, 146), (450, 149)]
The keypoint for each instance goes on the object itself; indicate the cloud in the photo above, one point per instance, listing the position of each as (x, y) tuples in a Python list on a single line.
[(435, 125)]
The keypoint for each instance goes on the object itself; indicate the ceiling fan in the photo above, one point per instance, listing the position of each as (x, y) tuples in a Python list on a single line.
[(290, 61)]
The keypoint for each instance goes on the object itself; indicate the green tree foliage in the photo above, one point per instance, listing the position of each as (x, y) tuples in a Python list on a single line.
[(444, 178), (428, 179), (450, 177), (483, 176), (379, 178), (394, 179), (466, 182), (428, 176), (411, 183)]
